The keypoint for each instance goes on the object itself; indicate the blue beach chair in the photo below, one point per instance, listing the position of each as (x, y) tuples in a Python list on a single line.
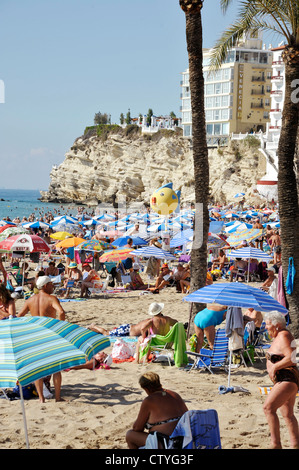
[(212, 358)]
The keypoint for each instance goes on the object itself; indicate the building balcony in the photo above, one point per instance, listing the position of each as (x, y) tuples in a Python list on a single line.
[(258, 79), (257, 92), (276, 92), (278, 63), (274, 128), (277, 77), (257, 105)]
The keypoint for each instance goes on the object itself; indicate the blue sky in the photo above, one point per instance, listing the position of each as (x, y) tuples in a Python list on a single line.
[(63, 61)]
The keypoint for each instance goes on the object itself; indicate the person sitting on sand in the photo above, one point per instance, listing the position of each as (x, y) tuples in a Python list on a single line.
[(160, 411), (44, 304), (239, 264), (136, 280), (51, 270), (220, 261)]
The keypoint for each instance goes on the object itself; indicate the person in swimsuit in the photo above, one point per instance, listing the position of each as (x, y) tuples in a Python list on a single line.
[(7, 303), (160, 411), (205, 322), (282, 370)]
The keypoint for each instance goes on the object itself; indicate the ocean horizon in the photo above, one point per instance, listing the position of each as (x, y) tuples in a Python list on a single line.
[(24, 202)]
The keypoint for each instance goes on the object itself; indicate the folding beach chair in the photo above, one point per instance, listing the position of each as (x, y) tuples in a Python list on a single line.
[(212, 358), (196, 429)]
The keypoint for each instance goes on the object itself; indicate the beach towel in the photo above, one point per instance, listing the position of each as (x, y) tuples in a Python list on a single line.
[(290, 276), (177, 336), (234, 321), (200, 430), (280, 288)]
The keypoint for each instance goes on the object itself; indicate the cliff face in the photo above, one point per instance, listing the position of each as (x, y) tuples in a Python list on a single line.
[(97, 170)]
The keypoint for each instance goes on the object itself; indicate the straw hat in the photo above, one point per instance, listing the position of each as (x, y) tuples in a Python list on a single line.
[(155, 308)]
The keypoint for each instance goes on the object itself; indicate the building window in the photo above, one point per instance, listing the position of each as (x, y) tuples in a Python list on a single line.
[(210, 129)]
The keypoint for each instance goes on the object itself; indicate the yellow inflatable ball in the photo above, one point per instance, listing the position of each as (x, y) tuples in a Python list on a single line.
[(165, 200)]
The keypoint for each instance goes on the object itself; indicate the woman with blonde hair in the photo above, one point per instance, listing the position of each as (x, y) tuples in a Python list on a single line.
[(283, 371), (160, 411)]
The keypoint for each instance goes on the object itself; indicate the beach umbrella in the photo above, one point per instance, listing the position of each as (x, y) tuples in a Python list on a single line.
[(239, 195), (12, 231), (235, 294), (65, 219), (36, 224), (72, 228), (149, 251), (25, 242), (70, 242), (60, 235), (6, 222), (249, 253), (95, 245), (117, 255), (122, 241), (249, 234), (34, 347), (5, 226)]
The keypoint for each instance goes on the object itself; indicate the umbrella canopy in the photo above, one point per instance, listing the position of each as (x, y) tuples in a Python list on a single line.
[(149, 251), (248, 235), (122, 241), (65, 219), (60, 235), (9, 232), (70, 242), (33, 347), (239, 195), (36, 224), (95, 245), (5, 226), (235, 294), (117, 255), (24, 242), (110, 233), (249, 252)]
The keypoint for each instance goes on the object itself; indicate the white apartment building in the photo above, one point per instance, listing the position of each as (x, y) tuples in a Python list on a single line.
[(237, 96)]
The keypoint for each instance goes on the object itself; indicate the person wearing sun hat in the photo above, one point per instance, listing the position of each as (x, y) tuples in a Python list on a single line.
[(74, 275), (270, 279)]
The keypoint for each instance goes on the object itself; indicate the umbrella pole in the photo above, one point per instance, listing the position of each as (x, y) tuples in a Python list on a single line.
[(229, 368), (24, 415), (248, 270)]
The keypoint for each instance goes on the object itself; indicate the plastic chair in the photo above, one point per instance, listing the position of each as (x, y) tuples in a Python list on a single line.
[(212, 358)]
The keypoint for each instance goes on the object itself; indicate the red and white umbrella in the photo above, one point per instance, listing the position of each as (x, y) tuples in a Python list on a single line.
[(24, 242)]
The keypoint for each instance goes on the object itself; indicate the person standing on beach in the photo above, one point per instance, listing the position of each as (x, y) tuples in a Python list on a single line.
[(44, 304)]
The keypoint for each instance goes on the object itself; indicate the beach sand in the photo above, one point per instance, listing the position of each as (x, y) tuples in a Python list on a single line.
[(100, 406)]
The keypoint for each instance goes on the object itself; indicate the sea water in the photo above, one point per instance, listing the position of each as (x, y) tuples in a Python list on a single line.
[(23, 202)]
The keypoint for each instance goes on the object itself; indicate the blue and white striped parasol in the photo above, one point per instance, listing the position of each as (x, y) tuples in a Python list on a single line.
[(235, 294), (149, 251)]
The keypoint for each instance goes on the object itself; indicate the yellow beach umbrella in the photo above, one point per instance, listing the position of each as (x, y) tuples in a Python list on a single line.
[(60, 235), (70, 242)]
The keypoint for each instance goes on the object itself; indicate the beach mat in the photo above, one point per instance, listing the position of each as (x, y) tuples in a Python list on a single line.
[(267, 389), (72, 300)]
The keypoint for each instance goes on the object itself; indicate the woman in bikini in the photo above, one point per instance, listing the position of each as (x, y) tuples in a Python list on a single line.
[(282, 370), (7, 303), (160, 411)]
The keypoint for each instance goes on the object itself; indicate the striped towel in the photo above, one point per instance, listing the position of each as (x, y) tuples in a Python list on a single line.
[(267, 389)]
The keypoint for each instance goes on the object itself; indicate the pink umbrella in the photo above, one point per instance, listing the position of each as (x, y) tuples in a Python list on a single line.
[(24, 242), (110, 233)]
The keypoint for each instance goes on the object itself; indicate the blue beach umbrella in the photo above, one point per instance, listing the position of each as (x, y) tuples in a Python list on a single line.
[(122, 241), (235, 294), (34, 347), (149, 251), (36, 224), (239, 195)]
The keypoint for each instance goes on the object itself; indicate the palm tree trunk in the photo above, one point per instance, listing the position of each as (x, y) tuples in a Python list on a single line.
[(287, 189), (200, 151)]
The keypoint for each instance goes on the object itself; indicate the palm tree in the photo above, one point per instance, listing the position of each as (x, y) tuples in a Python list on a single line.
[(192, 10), (280, 17)]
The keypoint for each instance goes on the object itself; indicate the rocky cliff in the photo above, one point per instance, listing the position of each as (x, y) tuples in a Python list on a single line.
[(103, 169)]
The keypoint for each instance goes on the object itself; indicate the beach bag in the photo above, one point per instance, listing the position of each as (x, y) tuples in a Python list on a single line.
[(290, 276), (121, 350), (29, 391)]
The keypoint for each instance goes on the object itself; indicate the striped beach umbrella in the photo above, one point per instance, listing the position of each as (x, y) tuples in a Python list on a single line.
[(95, 245), (25, 242), (117, 255), (235, 294), (249, 252), (34, 347), (248, 235), (149, 251)]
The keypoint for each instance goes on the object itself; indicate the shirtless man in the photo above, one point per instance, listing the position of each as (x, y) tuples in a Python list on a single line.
[(44, 304), (276, 247), (258, 241), (219, 262)]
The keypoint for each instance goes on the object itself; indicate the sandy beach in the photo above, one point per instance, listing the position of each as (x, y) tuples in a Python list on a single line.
[(101, 405)]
